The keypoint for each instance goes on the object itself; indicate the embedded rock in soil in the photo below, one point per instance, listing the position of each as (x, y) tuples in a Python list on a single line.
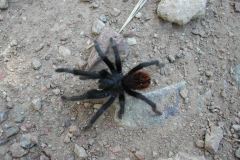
[(80, 152), (17, 151), (139, 114), (181, 11), (104, 40), (213, 138), (27, 141)]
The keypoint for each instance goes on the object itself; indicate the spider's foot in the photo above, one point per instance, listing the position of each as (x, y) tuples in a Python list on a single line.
[(64, 98), (119, 116), (59, 70), (158, 112)]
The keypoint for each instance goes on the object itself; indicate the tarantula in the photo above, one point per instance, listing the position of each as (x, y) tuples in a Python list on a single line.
[(114, 84)]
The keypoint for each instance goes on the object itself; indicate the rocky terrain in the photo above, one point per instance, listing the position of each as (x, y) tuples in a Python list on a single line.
[(197, 89)]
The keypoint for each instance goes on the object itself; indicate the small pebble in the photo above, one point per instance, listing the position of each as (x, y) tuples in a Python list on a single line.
[(97, 106), (213, 138), (3, 4), (140, 155), (80, 152), (103, 18), (57, 91), (171, 58), (200, 143), (74, 130), (36, 64), (97, 26), (209, 74), (37, 104), (131, 41), (184, 93), (138, 15), (115, 12), (64, 51)]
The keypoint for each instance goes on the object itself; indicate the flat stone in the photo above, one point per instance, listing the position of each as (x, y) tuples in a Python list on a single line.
[(97, 26), (115, 12), (213, 138), (3, 116), (139, 114), (80, 152), (181, 11), (17, 151), (3, 4)]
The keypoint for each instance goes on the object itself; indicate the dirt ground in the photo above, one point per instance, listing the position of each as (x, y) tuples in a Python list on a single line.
[(31, 32)]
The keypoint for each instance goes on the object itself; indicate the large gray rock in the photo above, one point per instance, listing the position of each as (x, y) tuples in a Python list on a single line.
[(181, 11), (213, 138), (139, 114), (17, 151)]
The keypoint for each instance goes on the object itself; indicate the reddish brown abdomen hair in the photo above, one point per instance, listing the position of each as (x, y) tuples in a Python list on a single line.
[(137, 81)]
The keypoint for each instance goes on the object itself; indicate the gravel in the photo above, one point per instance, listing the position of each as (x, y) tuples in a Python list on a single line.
[(27, 141)]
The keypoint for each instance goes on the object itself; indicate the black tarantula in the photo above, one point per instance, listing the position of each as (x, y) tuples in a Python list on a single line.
[(114, 84)]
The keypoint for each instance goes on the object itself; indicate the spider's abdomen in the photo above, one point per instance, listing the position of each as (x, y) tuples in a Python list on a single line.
[(137, 81)]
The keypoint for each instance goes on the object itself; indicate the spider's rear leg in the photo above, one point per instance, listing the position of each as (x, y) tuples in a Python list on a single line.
[(92, 94), (104, 107), (145, 99), (122, 105)]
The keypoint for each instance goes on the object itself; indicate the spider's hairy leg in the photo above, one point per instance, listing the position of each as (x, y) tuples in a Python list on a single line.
[(104, 107), (143, 65), (122, 105), (116, 53), (104, 57), (91, 94), (91, 75), (145, 99)]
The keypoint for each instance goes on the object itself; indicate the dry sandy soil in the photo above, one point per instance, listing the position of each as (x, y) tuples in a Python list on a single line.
[(208, 51)]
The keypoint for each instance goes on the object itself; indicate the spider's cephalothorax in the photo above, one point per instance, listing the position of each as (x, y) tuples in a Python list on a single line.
[(114, 84)]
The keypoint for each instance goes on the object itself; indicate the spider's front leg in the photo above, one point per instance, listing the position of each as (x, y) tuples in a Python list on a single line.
[(92, 94), (104, 107)]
